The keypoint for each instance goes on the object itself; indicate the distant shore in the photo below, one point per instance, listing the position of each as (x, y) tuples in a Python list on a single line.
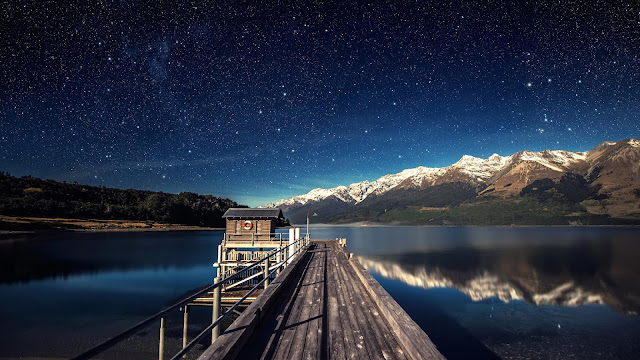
[(398, 224), (21, 225)]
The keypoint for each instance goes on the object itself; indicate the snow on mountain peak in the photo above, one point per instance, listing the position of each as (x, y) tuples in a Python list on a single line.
[(313, 195), (476, 168), (359, 191), (481, 169), (557, 160)]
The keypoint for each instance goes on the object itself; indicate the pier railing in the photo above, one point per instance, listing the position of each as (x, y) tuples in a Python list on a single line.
[(290, 249), (253, 237)]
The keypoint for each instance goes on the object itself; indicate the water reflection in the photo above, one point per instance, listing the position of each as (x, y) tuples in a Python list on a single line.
[(60, 255), (543, 273)]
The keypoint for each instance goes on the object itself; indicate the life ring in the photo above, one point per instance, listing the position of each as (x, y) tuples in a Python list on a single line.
[(248, 225)]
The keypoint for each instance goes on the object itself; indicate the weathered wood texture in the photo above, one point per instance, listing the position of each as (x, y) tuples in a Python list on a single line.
[(414, 340), (335, 310)]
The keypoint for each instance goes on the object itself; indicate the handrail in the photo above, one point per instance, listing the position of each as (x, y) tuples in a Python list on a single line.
[(198, 338), (106, 344)]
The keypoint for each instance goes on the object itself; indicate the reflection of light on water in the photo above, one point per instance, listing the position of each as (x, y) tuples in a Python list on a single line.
[(135, 282), (482, 286), (571, 295), (394, 271)]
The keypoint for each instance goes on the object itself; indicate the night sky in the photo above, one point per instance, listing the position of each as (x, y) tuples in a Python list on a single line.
[(264, 100)]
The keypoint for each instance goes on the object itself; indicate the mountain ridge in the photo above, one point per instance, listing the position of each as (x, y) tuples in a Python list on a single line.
[(607, 177)]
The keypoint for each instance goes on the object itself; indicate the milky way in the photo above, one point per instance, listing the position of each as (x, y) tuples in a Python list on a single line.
[(264, 100)]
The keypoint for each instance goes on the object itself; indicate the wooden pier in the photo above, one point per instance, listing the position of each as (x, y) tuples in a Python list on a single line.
[(302, 299), (324, 305)]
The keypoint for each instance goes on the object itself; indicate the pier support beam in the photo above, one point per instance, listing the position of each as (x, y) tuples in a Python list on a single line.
[(161, 346), (185, 323), (216, 310), (267, 265)]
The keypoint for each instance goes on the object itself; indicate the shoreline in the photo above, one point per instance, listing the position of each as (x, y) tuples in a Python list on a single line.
[(375, 224), (15, 226)]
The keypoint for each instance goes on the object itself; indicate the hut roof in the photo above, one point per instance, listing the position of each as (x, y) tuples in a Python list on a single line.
[(248, 213)]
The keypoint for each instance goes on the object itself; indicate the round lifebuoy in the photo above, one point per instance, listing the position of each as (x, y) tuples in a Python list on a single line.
[(248, 225)]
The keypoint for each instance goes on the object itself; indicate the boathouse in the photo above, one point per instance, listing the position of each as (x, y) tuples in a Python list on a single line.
[(244, 224)]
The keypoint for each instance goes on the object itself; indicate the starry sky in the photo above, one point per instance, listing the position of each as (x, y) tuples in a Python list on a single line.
[(263, 100)]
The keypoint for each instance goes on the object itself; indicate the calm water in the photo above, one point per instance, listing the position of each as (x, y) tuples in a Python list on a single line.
[(542, 293)]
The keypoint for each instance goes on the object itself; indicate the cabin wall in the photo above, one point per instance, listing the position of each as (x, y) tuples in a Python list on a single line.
[(261, 229)]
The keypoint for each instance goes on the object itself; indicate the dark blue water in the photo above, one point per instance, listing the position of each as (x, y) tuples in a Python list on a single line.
[(62, 293), (540, 293)]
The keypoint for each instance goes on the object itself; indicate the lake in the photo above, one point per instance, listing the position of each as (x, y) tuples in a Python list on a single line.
[(539, 293)]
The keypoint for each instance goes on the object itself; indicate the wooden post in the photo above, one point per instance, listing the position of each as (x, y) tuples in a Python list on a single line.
[(161, 346), (216, 310), (266, 272), (279, 260), (185, 323), (291, 250)]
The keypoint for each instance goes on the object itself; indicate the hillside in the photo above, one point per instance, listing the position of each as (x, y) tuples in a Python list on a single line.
[(600, 186), (36, 198)]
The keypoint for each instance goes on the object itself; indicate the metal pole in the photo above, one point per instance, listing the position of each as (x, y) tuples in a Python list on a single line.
[(185, 323), (266, 272), (161, 346), (216, 310)]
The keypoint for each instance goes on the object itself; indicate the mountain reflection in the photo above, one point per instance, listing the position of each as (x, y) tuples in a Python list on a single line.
[(569, 275)]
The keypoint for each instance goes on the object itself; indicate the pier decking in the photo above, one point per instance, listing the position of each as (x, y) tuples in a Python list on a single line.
[(323, 306)]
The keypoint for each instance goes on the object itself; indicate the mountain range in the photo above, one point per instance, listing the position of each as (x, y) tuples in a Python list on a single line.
[(599, 186)]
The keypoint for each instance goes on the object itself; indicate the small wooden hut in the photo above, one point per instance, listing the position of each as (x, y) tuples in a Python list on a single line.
[(246, 224), (250, 235)]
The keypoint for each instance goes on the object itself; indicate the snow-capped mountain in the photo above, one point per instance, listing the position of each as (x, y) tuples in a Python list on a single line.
[(612, 169), (476, 168), (357, 192)]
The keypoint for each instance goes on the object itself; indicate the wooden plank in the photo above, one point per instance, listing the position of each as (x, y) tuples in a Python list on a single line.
[(275, 339), (300, 320), (378, 329), (338, 337), (288, 332), (313, 341), (351, 340), (365, 346), (414, 340), (353, 347)]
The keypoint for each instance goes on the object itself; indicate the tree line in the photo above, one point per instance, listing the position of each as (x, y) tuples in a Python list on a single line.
[(33, 197)]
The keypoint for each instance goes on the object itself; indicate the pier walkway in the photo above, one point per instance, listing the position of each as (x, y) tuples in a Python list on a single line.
[(323, 306)]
